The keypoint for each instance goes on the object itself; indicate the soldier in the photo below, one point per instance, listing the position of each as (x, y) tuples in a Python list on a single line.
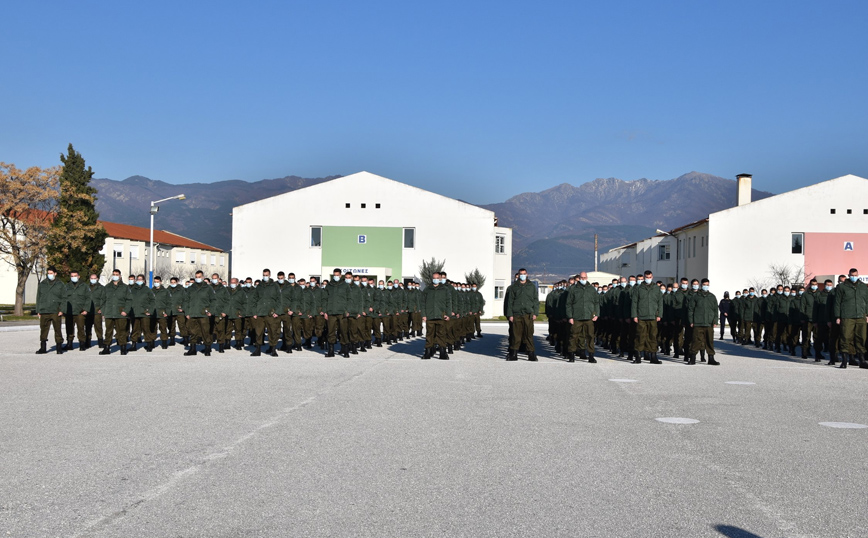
[(318, 293), (551, 338), (388, 305), (78, 301), (117, 304), (50, 307), (219, 321), (628, 335), (265, 306), (416, 311), (198, 305), (582, 310), (646, 310), (436, 307), (480, 309), (235, 310), (308, 306), (747, 313), (822, 322), (806, 318), (401, 309), (247, 287), (284, 316), (94, 316), (666, 327), (782, 317), (292, 299), (795, 319), (757, 321), (703, 309), (177, 292), (355, 300), (769, 319), (725, 308), (378, 299), (851, 314), (835, 330), (521, 311), (335, 313), (143, 309), (162, 310), (368, 290)]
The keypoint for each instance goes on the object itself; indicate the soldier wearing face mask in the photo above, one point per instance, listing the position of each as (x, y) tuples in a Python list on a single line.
[(142, 314), (822, 321), (335, 313), (77, 303), (378, 297), (749, 304), (309, 309), (50, 307), (782, 317), (265, 309), (688, 330), (703, 310), (354, 313), (318, 293), (117, 304), (235, 308), (851, 314), (199, 308), (219, 319), (480, 310), (521, 311), (93, 320), (162, 310), (368, 290), (646, 311), (177, 292)]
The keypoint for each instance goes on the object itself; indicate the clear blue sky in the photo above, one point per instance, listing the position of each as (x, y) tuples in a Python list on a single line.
[(475, 100)]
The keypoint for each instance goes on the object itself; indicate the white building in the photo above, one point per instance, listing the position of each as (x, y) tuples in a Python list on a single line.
[(818, 231), (372, 226)]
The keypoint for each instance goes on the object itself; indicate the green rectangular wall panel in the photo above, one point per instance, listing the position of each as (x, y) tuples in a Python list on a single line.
[(383, 247)]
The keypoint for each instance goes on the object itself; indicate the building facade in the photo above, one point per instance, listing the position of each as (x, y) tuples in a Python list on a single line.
[(372, 226)]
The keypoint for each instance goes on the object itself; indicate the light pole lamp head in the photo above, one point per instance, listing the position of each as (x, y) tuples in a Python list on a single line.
[(182, 197), (154, 209)]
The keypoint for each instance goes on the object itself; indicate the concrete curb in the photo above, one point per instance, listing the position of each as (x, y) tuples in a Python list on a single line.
[(19, 328)]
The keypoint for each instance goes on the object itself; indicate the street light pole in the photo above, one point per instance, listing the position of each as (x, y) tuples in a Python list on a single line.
[(153, 211)]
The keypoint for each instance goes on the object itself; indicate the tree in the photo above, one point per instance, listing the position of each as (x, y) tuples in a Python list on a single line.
[(788, 275), (476, 278), (427, 269), (76, 236), (27, 202)]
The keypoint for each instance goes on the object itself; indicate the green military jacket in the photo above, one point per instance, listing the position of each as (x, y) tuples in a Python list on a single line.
[(851, 300), (523, 300), (117, 302), (806, 306), (200, 300), (647, 302), (822, 303), (795, 316), (51, 297), (625, 304), (236, 303), (368, 295), (162, 302), (221, 296), (436, 302), (702, 309), (177, 295), (770, 306), (550, 299), (317, 299), (338, 295), (748, 307), (355, 299), (266, 299), (378, 298), (97, 296), (307, 302), (78, 297), (143, 301), (583, 302), (782, 308)]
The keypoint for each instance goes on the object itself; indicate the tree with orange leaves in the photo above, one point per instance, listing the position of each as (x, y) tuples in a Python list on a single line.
[(28, 200)]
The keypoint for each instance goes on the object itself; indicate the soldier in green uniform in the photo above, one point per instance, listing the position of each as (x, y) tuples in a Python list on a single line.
[(77, 303), (401, 307), (582, 310), (480, 309), (335, 313), (378, 299), (265, 306), (702, 311), (50, 307), (162, 310), (388, 305), (506, 298), (688, 330), (284, 317), (782, 316), (450, 323), (318, 293), (355, 313), (646, 309), (666, 325), (521, 311), (142, 314), (548, 308), (416, 312), (459, 307), (198, 305), (368, 289), (628, 329), (218, 318), (770, 318), (851, 314), (235, 310), (795, 319), (177, 319), (747, 313), (436, 308), (294, 305), (806, 318), (93, 321), (822, 321), (117, 304), (308, 307)]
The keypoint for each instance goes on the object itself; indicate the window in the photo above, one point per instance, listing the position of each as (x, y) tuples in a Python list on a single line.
[(663, 252), (347, 205), (498, 291), (179, 257), (377, 206), (409, 237), (798, 243), (119, 251), (316, 236), (849, 211), (222, 261), (865, 211), (203, 259), (213, 259), (832, 211), (500, 244), (134, 252), (364, 206)]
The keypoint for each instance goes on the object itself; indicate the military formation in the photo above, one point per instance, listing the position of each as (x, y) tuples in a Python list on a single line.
[(289, 314)]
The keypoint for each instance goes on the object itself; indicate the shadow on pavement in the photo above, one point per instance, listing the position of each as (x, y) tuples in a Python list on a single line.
[(735, 532)]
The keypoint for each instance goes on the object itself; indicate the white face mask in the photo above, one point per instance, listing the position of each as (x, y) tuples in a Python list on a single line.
[(115, 278), (336, 278), (198, 281), (73, 279), (381, 286), (51, 276), (173, 285), (157, 284), (291, 281), (357, 282), (348, 280), (683, 286), (233, 286), (364, 284), (854, 278), (93, 281), (390, 286), (695, 287), (648, 280), (474, 288), (435, 281), (131, 282), (632, 282), (266, 278), (215, 281), (704, 288), (583, 282), (280, 280), (662, 290), (140, 282), (186, 285)]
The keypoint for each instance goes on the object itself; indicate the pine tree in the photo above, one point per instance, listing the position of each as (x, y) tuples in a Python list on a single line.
[(76, 237), (428, 268), (476, 278)]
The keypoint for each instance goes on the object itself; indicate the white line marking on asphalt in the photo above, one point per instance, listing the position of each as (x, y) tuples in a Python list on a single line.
[(740, 383), (677, 420), (624, 380), (844, 425)]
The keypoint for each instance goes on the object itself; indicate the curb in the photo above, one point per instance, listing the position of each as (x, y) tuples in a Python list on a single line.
[(19, 328)]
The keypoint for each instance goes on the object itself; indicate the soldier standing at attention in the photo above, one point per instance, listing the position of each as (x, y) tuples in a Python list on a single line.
[(282, 341), (480, 309), (806, 308), (646, 310), (307, 303), (702, 312), (368, 291), (355, 299), (78, 302), (94, 316), (143, 308), (177, 292), (235, 311), (822, 321), (162, 310), (521, 311), (583, 308), (50, 307), (851, 314), (749, 306), (335, 313), (198, 306), (725, 308), (116, 305), (436, 307), (218, 319), (265, 306)]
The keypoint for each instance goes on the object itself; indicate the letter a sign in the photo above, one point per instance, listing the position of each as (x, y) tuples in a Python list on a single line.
[(848, 246)]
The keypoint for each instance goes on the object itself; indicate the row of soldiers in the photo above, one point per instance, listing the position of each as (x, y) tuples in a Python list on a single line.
[(633, 316), (349, 309)]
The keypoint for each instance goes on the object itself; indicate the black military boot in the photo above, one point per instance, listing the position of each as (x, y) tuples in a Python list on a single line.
[(345, 350), (532, 357), (239, 344), (124, 349), (221, 348), (68, 346), (257, 351), (443, 355), (691, 359), (571, 357), (59, 348), (321, 342), (845, 359), (331, 351), (171, 341), (164, 345), (308, 343), (832, 359), (285, 347), (149, 347), (106, 350), (591, 358), (207, 351), (479, 334), (702, 356), (192, 351), (557, 347), (862, 362), (852, 360), (449, 349), (354, 348), (711, 361), (654, 359), (297, 347), (363, 347), (378, 343), (43, 347), (100, 342), (511, 355), (272, 351), (133, 346), (636, 358), (427, 354)]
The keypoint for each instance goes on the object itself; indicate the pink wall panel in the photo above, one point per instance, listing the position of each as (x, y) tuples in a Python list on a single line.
[(825, 254)]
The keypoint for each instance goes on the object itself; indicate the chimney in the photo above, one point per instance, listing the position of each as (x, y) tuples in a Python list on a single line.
[(744, 188)]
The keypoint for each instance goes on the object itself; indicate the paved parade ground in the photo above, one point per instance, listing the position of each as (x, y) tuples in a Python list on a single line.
[(384, 444)]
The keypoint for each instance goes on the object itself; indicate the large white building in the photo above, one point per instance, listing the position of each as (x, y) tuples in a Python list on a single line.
[(818, 231), (373, 226)]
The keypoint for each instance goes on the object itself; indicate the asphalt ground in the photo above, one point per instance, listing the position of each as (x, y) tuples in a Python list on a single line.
[(385, 444)]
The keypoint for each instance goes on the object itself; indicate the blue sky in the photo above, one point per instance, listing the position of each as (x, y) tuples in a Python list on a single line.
[(474, 100)]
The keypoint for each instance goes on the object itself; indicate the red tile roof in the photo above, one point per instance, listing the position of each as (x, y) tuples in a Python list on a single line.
[(161, 237)]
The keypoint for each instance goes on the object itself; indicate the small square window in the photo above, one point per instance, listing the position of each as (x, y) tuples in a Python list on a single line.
[(378, 206), (849, 211), (832, 211), (364, 206), (865, 211), (348, 205)]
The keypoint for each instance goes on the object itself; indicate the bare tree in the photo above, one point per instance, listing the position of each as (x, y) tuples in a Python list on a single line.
[(27, 203), (787, 274)]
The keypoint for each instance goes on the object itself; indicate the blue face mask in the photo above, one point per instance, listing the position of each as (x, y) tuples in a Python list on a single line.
[(336, 278), (753, 293), (704, 288), (695, 287), (853, 278), (522, 277), (632, 282), (435, 280), (390, 287), (51, 276), (828, 288), (381, 286), (348, 280), (198, 281)]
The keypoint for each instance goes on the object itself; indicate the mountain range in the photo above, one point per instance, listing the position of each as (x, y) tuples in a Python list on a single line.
[(553, 230)]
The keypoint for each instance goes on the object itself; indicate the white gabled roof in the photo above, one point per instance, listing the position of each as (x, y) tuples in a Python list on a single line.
[(818, 189)]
